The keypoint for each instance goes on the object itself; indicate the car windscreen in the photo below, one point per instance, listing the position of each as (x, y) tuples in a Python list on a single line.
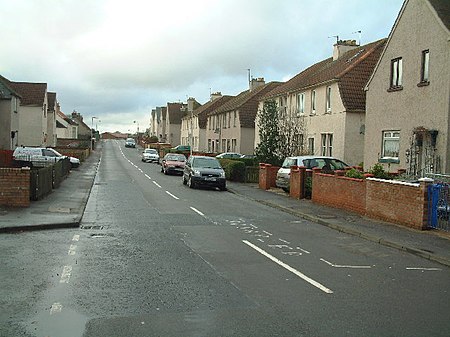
[(288, 162), (329, 163), (176, 158), (206, 163)]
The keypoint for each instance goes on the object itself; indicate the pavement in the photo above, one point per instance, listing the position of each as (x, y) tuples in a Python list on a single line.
[(64, 208)]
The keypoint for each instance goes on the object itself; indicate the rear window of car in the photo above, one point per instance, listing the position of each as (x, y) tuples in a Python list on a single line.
[(288, 162)]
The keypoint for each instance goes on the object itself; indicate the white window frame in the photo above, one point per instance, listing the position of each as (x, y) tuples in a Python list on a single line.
[(397, 73), (328, 99), (313, 102), (326, 144), (393, 138), (301, 103), (425, 67)]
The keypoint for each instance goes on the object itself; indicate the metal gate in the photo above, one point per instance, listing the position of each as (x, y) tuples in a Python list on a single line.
[(439, 206)]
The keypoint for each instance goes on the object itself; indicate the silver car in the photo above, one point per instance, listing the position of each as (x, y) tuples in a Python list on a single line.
[(325, 163)]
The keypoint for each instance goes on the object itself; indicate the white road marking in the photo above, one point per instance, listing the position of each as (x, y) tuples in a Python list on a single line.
[(197, 211), (66, 274), (289, 268), (292, 253), (268, 233), (345, 266), (148, 177), (260, 240), (72, 250), (287, 242), (173, 196), (303, 250), (76, 237), (280, 246), (154, 182), (420, 268), (56, 307), (140, 170)]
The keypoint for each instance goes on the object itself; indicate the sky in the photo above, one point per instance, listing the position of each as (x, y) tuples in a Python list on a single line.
[(117, 60)]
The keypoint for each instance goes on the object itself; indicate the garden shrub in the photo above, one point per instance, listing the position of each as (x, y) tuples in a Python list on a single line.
[(378, 172), (354, 173)]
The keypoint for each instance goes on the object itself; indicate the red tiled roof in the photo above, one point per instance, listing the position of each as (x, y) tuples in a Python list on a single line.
[(203, 111), (352, 71), (32, 93), (247, 104)]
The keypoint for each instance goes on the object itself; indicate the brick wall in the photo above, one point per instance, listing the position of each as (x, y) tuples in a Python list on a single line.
[(397, 202), (388, 200), (267, 176), (339, 191), (15, 187)]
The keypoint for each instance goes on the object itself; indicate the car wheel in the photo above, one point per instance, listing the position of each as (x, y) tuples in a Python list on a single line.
[(162, 169), (165, 171), (184, 180), (190, 183), (286, 189), (223, 187)]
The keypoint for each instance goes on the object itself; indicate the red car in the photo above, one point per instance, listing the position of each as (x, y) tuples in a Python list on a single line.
[(173, 163)]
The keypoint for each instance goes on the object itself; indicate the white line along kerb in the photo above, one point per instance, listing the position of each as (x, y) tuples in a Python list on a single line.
[(288, 267)]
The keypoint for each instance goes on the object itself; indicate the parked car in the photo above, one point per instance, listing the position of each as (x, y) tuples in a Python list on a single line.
[(150, 155), (173, 163), (204, 171), (230, 155), (130, 142), (41, 156), (182, 148), (327, 164)]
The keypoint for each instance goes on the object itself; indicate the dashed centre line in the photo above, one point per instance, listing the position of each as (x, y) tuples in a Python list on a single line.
[(154, 182), (344, 266), (173, 196), (65, 276), (197, 211)]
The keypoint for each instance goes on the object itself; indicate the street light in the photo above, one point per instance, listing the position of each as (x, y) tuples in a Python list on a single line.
[(92, 133)]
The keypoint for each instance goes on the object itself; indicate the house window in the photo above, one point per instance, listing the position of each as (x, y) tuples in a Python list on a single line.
[(313, 102), (229, 119), (396, 73), (224, 120), (424, 74), (311, 145), (234, 119), (301, 103), (391, 143), (327, 144), (328, 105), (233, 145)]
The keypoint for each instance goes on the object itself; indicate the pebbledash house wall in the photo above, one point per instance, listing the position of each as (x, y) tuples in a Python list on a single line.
[(387, 200), (15, 187)]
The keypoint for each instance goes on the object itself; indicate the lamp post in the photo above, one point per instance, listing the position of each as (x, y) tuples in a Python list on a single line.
[(92, 133)]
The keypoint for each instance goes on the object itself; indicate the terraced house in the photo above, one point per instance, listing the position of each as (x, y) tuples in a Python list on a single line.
[(323, 107), (231, 127), (408, 95)]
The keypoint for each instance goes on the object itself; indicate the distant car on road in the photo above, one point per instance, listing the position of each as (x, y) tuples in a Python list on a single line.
[(230, 155), (130, 142), (182, 148), (327, 164), (150, 155), (204, 171), (173, 163)]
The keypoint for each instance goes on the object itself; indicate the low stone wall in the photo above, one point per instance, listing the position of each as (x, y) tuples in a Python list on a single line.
[(15, 187)]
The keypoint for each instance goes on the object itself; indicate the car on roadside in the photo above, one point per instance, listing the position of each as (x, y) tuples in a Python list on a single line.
[(130, 142), (230, 155), (327, 164), (173, 163), (204, 171), (150, 155), (41, 156), (182, 148)]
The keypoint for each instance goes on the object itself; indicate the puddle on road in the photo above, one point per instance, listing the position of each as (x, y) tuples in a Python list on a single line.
[(66, 323)]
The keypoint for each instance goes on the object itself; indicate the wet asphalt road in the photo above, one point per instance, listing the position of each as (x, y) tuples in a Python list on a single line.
[(155, 258)]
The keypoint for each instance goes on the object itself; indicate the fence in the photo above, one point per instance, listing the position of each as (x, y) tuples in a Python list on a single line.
[(251, 174), (439, 206), (44, 180)]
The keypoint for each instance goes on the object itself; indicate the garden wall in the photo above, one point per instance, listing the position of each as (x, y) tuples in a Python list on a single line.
[(15, 187)]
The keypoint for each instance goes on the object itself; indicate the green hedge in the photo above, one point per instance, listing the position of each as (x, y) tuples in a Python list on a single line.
[(234, 169)]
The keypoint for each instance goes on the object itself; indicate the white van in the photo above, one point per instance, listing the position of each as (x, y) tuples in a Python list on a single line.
[(41, 156)]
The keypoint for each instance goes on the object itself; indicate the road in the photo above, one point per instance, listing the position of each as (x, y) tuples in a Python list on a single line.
[(155, 258)]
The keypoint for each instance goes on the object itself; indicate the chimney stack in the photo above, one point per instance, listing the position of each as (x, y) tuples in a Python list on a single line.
[(343, 46), (256, 82), (215, 95)]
